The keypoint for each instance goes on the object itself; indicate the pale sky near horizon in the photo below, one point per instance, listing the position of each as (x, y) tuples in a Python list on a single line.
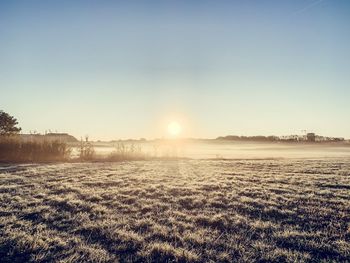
[(125, 69)]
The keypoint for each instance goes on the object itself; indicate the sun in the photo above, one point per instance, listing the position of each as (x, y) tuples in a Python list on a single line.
[(174, 128)]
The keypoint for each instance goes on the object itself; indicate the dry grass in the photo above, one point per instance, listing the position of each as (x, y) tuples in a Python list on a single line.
[(14, 149), (176, 211)]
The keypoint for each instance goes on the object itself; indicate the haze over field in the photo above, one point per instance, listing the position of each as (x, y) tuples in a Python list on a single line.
[(125, 69), (231, 150)]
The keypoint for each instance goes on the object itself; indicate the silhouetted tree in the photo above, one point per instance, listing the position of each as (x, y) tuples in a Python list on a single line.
[(8, 124)]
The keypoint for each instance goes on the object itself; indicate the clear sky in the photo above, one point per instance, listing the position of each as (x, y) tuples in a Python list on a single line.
[(124, 69)]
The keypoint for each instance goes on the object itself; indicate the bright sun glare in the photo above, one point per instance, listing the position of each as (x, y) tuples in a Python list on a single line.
[(174, 128)]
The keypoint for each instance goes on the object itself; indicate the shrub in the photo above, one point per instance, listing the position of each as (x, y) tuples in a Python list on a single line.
[(86, 150)]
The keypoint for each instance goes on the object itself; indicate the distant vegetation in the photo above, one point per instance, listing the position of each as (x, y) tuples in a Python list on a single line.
[(309, 137)]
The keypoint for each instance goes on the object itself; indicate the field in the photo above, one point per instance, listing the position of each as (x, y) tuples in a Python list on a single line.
[(287, 210)]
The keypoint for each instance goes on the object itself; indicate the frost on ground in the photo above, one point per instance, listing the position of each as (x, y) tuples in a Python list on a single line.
[(176, 211)]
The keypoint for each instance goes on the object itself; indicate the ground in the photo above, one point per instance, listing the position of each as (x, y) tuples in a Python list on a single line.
[(176, 211)]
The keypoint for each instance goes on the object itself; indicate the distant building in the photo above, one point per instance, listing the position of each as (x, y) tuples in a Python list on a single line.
[(311, 137), (63, 137)]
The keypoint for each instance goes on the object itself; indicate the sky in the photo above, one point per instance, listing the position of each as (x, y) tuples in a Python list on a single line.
[(125, 69)]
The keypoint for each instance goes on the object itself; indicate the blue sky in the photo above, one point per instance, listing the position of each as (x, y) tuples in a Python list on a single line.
[(124, 69)]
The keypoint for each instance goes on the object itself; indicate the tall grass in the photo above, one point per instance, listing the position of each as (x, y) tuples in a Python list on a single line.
[(13, 149)]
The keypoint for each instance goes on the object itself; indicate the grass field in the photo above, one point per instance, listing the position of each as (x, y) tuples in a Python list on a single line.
[(177, 211)]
